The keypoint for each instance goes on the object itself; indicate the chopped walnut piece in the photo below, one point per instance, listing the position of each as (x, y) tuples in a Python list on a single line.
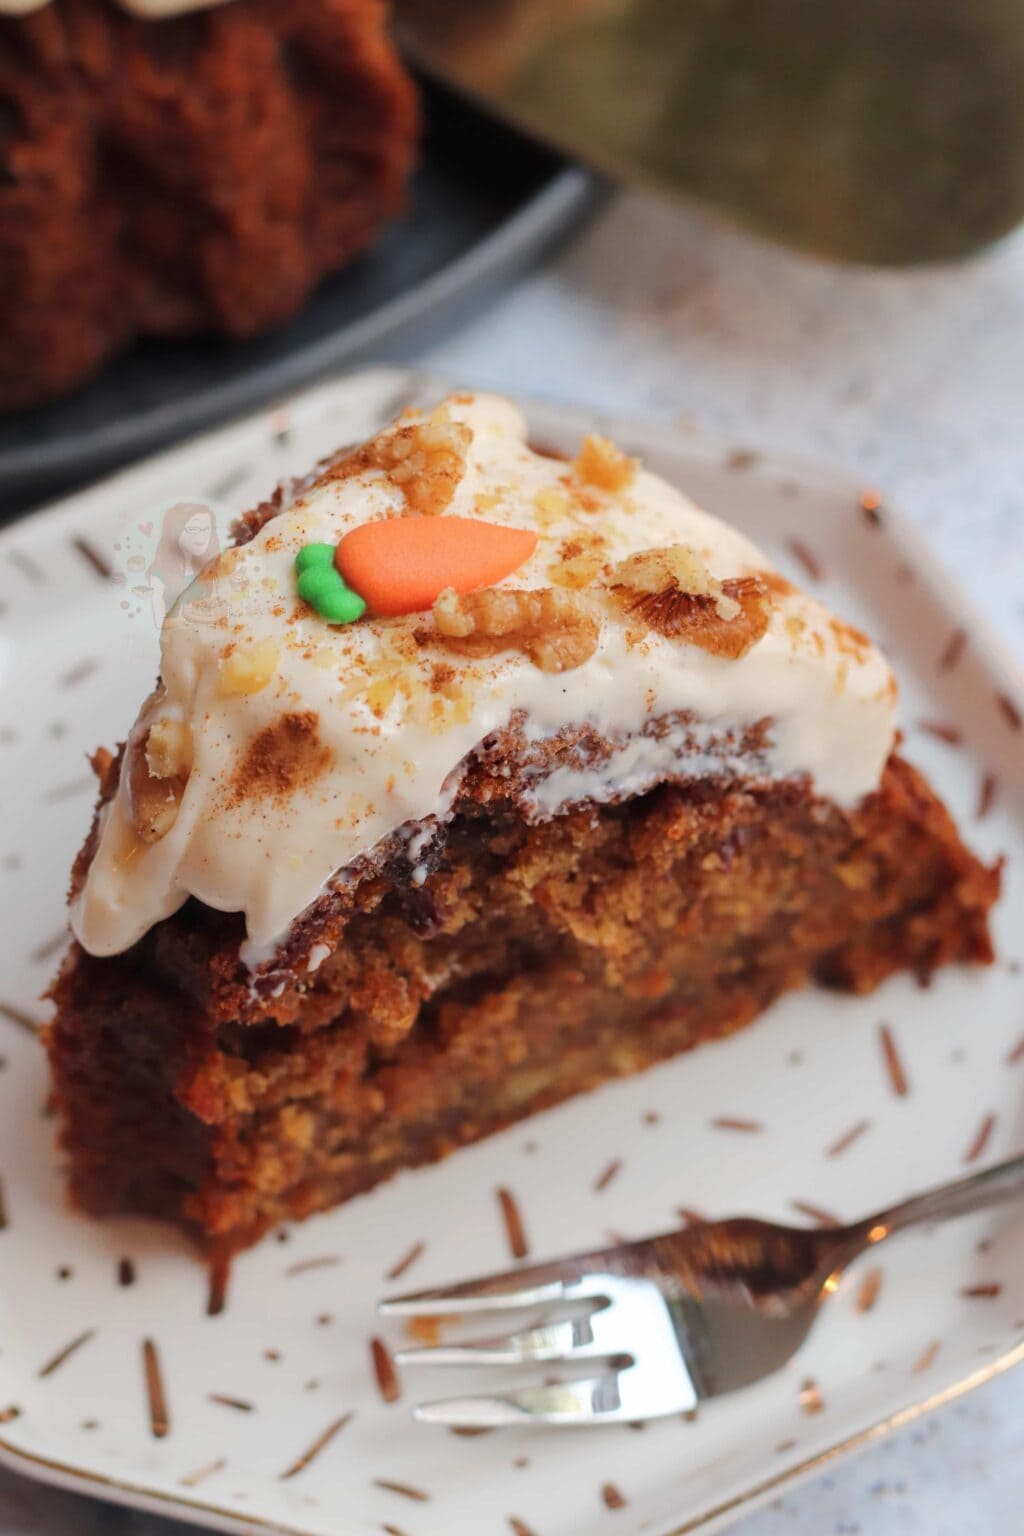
[(248, 669), (600, 463), (169, 749), (673, 592), (555, 629), (426, 460), (579, 562), (651, 570), (155, 798)]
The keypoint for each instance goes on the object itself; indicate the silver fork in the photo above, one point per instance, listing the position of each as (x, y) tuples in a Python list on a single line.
[(662, 1324)]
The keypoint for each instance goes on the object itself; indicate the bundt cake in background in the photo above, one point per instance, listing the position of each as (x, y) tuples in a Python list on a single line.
[(184, 174)]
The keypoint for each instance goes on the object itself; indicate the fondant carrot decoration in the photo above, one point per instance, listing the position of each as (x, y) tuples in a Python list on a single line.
[(403, 564)]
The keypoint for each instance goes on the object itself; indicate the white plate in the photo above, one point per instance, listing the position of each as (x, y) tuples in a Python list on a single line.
[(252, 1391)]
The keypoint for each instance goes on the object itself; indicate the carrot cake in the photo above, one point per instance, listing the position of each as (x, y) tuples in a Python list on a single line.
[(184, 167), (473, 778)]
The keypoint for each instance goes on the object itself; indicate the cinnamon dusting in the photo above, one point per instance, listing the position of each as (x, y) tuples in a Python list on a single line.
[(283, 758)]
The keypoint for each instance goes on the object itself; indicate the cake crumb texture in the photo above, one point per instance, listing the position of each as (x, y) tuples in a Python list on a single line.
[(533, 962)]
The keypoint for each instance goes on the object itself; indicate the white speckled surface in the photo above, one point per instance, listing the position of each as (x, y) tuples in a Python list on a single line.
[(916, 381)]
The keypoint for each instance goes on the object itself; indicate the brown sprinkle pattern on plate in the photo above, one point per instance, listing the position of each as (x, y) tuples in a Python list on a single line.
[(987, 1291), (514, 1229), (871, 507), (981, 1139), (812, 566), (49, 947), (19, 1017), (311, 1452), (811, 1399), (986, 796), (927, 1357), (607, 1175), (816, 1213), (832, 1143), (404, 1490), (78, 673), (407, 1260), (217, 1294), (27, 566), (56, 1361), (193, 1479), (241, 1404), (688, 1216), (942, 732), (328, 1261), (736, 1123), (93, 557), (388, 1384), (869, 1288), (159, 1417), (613, 1497), (952, 650), (893, 1062), (846, 1140)]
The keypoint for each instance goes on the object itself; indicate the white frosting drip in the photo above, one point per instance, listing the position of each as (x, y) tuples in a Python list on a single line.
[(636, 765), (831, 701)]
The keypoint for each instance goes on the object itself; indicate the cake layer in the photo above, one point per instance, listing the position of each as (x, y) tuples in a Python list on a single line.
[(528, 961), (280, 749)]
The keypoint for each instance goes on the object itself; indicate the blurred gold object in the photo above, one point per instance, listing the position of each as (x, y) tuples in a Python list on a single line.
[(883, 131)]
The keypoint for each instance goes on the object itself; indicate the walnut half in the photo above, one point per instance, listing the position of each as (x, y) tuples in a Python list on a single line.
[(554, 628), (426, 460), (672, 591)]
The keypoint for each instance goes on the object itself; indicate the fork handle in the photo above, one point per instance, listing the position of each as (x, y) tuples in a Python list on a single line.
[(992, 1186)]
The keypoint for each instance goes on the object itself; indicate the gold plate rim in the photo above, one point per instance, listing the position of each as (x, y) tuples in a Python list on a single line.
[(59, 1473)]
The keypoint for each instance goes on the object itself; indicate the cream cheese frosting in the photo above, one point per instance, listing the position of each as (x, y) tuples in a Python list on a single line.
[(308, 744)]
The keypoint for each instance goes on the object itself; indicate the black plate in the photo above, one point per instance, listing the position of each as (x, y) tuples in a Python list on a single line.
[(484, 200)]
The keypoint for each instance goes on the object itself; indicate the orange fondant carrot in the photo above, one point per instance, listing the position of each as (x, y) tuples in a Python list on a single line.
[(403, 564)]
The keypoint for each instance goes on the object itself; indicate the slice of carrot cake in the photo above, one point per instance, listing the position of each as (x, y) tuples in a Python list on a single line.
[(473, 778)]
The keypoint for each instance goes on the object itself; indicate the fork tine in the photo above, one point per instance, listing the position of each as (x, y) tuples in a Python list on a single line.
[(458, 1299), (594, 1399), (535, 1285), (568, 1340)]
